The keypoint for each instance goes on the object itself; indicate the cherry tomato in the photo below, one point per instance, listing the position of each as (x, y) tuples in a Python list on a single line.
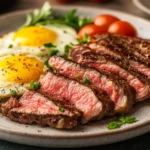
[(123, 28), (64, 1), (105, 20), (91, 30)]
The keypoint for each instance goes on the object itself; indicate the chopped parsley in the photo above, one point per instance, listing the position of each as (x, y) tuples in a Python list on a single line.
[(51, 67), (85, 39), (122, 120), (61, 109), (85, 80), (54, 52), (13, 93), (10, 46), (35, 86), (49, 45), (77, 76)]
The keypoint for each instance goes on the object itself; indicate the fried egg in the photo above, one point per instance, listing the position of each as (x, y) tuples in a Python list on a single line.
[(31, 40), (17, 72)]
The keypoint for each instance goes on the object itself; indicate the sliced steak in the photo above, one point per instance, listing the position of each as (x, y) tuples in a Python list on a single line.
[(101, 57), (122, 96), (82, 97), (35, 108), (133, 48)]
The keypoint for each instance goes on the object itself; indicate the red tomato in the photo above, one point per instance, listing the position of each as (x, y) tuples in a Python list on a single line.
[(91, 30), (123, 28), (64, 1), (105, 20)]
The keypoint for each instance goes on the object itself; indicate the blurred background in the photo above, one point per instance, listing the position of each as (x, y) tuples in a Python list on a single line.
[(122, 5)]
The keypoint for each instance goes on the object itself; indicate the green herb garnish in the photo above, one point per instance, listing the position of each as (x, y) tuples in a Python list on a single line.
[(44, 16), (113, 125), (77, 76), (54, 52), (122, 120), (127, 119), (51, 67), (13, 93), (49, 45), (85, 39), (10, 46), (85, 80), (61, 109), (38, 15), (35, 86)]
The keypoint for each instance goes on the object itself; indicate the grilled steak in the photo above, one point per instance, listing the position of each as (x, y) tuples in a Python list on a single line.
[(122, 96), (82, 97), (35, 108), (110, 61), (133, 48)]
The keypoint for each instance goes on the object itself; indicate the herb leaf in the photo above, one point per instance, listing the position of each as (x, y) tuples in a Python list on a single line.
[(85, 80), (38, 15), (35, 86), (127, 119), (122, 120), (77, 75), (49, 45), (10, 46), (85, 39), (61, 109), (13, 93), (113, 125), (54, 52)]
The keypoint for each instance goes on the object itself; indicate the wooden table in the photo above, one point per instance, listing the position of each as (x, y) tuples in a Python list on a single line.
[(138, 143)]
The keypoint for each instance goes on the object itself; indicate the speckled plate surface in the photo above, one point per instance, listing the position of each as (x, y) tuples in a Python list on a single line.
[(86, 135)]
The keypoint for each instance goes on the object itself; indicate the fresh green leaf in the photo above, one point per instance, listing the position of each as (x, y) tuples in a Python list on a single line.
[(113, 125), (35, 86), (84, 21), (51, 67), (13, 93), (54, 52), (10, 46), (38, 15), (85, 39), (61, 109), (77, 75), (49, 45), (85, 80)]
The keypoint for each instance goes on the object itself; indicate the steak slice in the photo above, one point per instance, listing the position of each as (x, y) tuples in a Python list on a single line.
[(35, 108), (82, 97), (134, 52), (110, 61), (133, 48), (122, 97)]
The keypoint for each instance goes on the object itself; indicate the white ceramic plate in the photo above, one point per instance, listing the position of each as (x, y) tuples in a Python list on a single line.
[(144, 5), (86, 135)]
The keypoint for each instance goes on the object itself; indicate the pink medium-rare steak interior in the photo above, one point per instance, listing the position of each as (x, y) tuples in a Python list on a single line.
[(80, 96), (100, 81), (35, 108)]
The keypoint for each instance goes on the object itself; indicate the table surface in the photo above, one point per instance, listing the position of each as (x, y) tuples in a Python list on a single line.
[(138, 143)]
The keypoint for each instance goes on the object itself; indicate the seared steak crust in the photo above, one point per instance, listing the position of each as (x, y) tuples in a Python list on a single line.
[(118, 94), (35, 108)]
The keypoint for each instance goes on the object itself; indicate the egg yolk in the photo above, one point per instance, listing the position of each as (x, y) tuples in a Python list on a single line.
[(34, 36), (20, 69)]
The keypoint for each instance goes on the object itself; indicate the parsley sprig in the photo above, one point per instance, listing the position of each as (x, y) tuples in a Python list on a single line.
[(35, 86), (38, 15), (85, 39), (122, 120), (44, 16)]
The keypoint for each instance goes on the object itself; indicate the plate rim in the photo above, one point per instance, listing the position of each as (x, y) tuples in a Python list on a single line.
[(142, 7), (121, 130)]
